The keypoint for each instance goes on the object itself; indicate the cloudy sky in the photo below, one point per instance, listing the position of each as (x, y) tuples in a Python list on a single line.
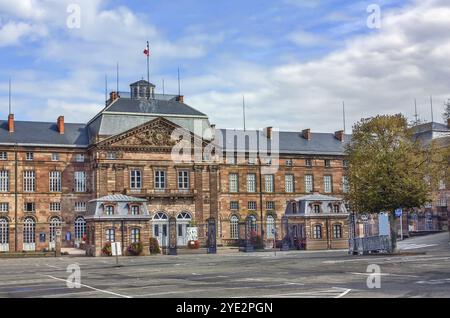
[(294, 60)]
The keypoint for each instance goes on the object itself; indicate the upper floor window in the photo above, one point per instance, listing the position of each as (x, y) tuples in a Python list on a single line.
[(29, 156), (109, 210), (135, 179), (4, 181), (233, 182), (345, 163), (251, 205), (111, 155), (29, 207), (251, 182), (183, 179), (55, 156), (327, 163), (309, 185), (80, 206), (80, 181), (289, 163), (55, 181), (289, 183), (336, 208), (327, 184), (55, 206), (269, 182), (316, 208), (29, 181), (4, 207), (270, 205), (160, 179), (135, 210), (79, 157), (234, 205), (3, 155), (308, 162)]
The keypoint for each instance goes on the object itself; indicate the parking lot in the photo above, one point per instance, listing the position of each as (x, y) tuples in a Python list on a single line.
[(330, 274)]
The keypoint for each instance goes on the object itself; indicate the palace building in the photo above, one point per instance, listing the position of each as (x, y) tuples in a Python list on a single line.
[(119, 178)]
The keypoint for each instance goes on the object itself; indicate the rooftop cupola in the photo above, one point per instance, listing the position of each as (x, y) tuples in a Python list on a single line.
[(142, 90)]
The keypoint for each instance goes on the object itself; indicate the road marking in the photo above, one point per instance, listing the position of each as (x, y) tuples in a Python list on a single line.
[(312, 294), (434, 282), (52, 266), (90, 287), (382, 274), (345, 292), (412, 246)]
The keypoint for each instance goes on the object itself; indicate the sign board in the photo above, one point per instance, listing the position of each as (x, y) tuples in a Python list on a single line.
[(398, 213), (192, 234), (116, 249), (383, 224)]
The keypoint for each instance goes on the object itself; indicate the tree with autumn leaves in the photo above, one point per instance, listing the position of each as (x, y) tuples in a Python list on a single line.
[(389, 169)]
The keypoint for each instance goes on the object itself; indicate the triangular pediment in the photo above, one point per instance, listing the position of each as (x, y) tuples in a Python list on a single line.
[(155, 134)]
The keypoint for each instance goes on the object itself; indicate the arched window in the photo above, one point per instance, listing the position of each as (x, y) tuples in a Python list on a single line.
[(135, 235), (270, 227), (160, 216), (253, 224), (55, 223), (337, 231), (4, 231), (184, 216), (80, 228), (317, 231), (110, 235), (234, 227), (29, 231)]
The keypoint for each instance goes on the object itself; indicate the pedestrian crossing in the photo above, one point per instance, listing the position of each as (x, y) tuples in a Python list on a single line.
[(412, 246)]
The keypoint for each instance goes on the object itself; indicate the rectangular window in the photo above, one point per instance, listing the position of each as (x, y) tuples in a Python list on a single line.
[(80, 206), (135, 210), (309, 183), (345, 184), (4, 207), (233, 182), (289, 183), (79, 157), (160, 179), (289, 163), (327, 184), (251, 182), (111, 155), (4, 181), (55, 156), (251, 205), (55, 181), (327, 163), (183, 180), (270, 205), (80, 181), (135, 179), (3, 155), (234, 205), (55, 206), (109, 210), (29, 181), (308, 162), (316, 208), (269, 182), (110, 235), (29, 207), (29, 156), (336, 209)]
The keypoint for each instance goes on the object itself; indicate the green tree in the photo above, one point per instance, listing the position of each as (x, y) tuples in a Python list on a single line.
[(387, 168), (446, 114)]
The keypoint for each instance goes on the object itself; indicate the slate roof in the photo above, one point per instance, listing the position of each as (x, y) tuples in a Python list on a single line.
[(118, 198), (289, 142), (44, 133), (317, 197), (153, 106)]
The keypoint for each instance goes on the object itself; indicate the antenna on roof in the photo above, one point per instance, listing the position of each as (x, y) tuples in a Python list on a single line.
[(106, 88), (9, 96), (243, 109), (416, 115), (431, 103), (343, 115), (179, 82)]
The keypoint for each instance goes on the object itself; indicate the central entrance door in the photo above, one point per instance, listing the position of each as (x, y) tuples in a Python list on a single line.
[(161, 228), (183, 221)]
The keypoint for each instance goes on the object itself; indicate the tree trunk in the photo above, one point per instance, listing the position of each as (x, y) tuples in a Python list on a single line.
[(394, 232)]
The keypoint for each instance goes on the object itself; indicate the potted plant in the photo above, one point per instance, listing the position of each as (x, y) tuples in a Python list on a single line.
[(135, 249), (194, 244), (154, 246), (106, 250)]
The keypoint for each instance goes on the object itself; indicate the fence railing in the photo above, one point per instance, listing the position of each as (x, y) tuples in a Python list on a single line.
[(371, 244)]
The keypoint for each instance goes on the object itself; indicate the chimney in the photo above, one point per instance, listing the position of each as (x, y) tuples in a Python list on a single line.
[(11, 123), (180, 98), (113, 96), (268, 132), (339, 135), (307, 134), (60, 124)]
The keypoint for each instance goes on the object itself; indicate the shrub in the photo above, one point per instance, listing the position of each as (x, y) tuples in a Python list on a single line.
[(106, 250), (194, 245), (135, 249), (154, 246)]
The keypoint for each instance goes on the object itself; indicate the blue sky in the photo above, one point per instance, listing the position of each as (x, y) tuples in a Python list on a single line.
[(295, 60)]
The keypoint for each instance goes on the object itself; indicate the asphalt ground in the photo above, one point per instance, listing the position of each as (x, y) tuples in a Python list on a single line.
[(424, 272)]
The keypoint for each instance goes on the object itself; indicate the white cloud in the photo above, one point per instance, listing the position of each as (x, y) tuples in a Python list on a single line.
[(12, 32)]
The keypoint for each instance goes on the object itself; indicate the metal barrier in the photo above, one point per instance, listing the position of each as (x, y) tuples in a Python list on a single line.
[(371, 244)]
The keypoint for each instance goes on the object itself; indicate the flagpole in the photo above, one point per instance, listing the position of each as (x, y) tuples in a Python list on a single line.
[(148, 65)]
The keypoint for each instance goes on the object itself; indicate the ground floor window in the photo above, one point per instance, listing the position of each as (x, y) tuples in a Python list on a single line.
[(337, 231), (270, 227), (55, 223), (234, 227), (317, 231), (135, 235), (29, 231), (80, 228), (253, 224), (110, 235), (4, 231)]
